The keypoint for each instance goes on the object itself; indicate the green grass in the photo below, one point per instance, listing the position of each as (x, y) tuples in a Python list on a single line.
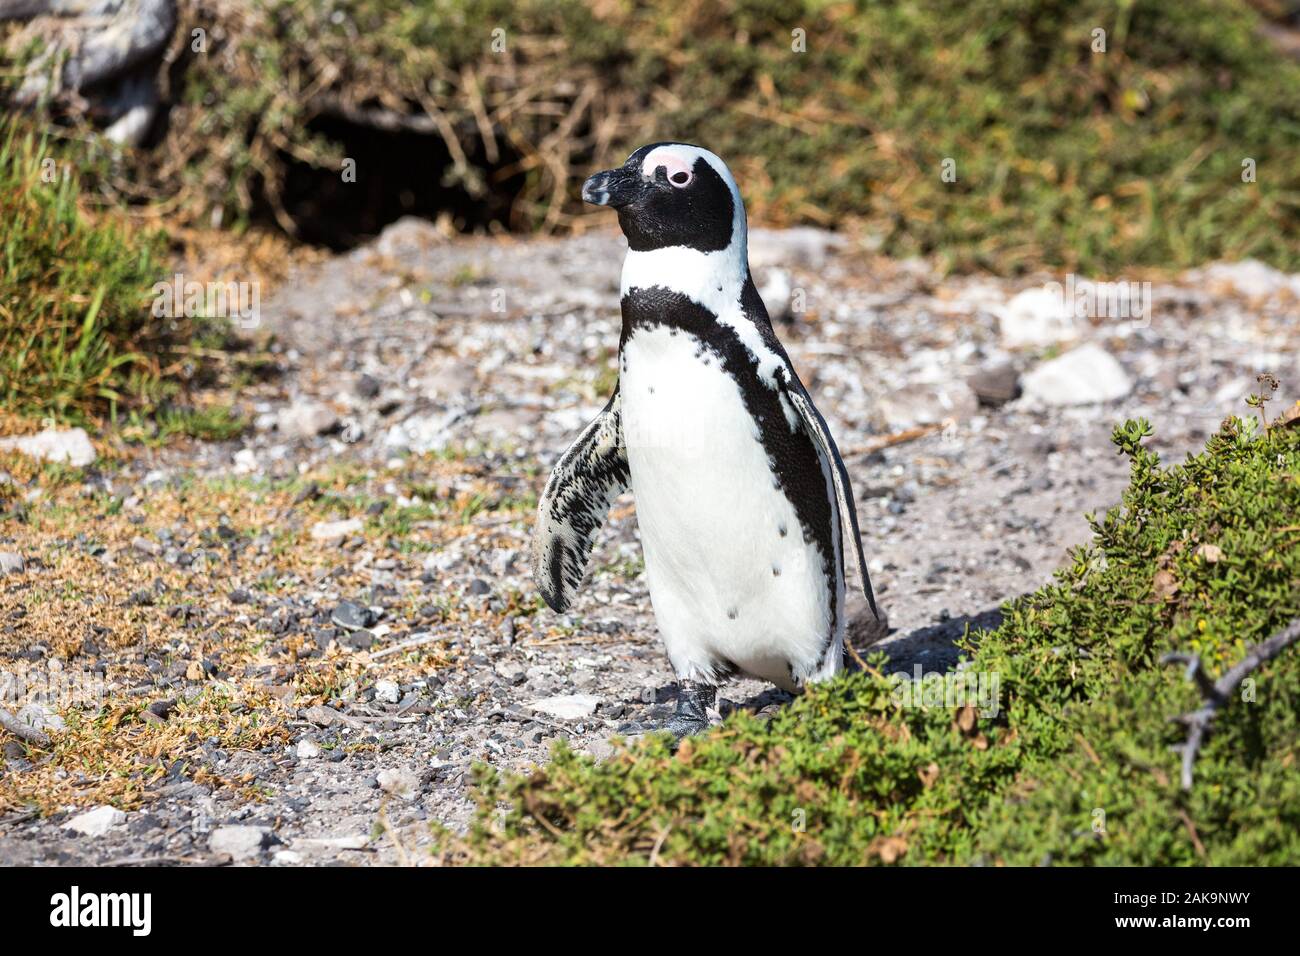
[(1074, 768), (76, 337)]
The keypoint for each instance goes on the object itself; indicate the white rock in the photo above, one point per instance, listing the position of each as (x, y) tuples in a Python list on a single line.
[(239, 842), (1249, 277), (98, 821), (387, 692), (245, 461), (512, 672), (307, 418), (358, 841), (805, 247), (1037, 317), (1083, 376), (400, 783), (927, 404), (308, 750), (11, 562), (777, 293), (336, 530), (410, 233), (40, 717), (566, 706), (286, 858), (422, 433), (69, 445)]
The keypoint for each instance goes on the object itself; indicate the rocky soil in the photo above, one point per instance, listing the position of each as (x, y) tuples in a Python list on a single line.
[(325, 623)]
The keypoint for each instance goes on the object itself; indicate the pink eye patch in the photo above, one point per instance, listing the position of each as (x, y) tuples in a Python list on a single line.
[(678, 168)]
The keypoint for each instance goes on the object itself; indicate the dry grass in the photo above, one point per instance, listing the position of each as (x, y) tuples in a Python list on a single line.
[(99, 603)]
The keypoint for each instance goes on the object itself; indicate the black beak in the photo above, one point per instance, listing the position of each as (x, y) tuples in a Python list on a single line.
[(615, 188)]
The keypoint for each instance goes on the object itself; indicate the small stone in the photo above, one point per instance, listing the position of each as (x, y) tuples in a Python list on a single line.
[(239, 842), (400, 783), (162, 708), (1249, 277), (146, 546), (927, 404), (240, 596), (507, 631), (336, 530), (286, 858), (11, 562), (71, 446), (97, 822), (777, 293), (1037, 317), (307, 419), (387, 692), (478, 587), (366, 386), (511, 672), (1083, 376), (996, 384), (40, 717), (566, 706), (307, 750), (352, 616)]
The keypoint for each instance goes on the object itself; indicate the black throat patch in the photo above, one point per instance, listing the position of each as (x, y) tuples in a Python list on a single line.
[(697, 217), (792, 457)]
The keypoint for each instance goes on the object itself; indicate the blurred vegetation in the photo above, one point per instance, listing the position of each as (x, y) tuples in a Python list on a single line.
[(75, 330), (1076, 766), (1063, 156), (78, 342)]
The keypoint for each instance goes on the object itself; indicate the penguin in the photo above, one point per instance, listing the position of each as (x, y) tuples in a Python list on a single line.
[(745, 510)]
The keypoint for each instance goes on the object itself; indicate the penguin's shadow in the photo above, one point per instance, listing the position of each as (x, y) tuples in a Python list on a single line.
[(934, 646)]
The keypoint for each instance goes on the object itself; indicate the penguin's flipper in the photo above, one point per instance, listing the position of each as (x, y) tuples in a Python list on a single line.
[(589, 476), (793, 389)]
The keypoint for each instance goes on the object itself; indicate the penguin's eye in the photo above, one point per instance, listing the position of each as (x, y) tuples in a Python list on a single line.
[(680, 178)]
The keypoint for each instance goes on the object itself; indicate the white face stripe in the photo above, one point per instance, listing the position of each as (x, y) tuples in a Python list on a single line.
[(669, 158)]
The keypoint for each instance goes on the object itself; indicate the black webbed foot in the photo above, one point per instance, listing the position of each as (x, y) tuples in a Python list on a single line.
[(691, 716)]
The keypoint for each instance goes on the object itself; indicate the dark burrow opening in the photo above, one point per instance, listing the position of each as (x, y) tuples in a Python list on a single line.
[(398, 172)]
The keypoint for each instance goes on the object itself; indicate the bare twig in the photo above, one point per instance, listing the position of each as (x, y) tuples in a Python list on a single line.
[(1216, 694), (894, 438), (407, 645), (23, 731)]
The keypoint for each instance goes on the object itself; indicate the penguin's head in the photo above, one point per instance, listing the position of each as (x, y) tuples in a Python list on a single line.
[(672, 194)]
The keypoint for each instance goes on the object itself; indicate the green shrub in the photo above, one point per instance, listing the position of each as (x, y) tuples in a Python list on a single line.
[(1075, 767), (1094, 161)]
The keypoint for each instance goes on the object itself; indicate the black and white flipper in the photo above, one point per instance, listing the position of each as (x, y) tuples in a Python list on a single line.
[(589, 476), (816, 427)]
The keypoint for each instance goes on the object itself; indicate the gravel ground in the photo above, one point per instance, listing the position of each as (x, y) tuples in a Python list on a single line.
[(383, 498)]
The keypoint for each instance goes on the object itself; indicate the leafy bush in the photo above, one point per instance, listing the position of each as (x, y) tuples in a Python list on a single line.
[(1094, 161), (1075, 767)]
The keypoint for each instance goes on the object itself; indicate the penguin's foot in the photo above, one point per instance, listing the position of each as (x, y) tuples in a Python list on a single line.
[(692, 714)]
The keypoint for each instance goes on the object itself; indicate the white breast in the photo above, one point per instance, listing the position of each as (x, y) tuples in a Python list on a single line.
[(730, 575)]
